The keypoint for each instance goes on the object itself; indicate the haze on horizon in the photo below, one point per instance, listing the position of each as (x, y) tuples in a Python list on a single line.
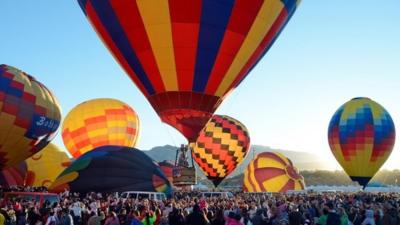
[(329, 53)]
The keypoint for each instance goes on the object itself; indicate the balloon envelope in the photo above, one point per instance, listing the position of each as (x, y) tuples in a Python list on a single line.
[(14, 175), (112, 169), (186, 56), (221, 147), (167, 167), (272, 172), (29, 116), (99, 122), (46, 165), (361, 136)]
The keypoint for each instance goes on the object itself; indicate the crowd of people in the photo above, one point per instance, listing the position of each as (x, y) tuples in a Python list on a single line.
[(187, 208)]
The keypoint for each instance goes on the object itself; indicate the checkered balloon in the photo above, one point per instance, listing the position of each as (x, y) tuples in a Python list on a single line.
[(29, 116), (361, 136), (221, 147), (99, 122)]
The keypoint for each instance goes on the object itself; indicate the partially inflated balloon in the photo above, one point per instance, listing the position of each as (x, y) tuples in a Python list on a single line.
[(14, 175), (100, 122), (167, 167), (221, 147), (361, 136), (46, 165), (187, 55), (29, 116), (272, 172), (112, 169)]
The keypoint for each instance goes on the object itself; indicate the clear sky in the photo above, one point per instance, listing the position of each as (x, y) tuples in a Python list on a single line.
[(330, 52)]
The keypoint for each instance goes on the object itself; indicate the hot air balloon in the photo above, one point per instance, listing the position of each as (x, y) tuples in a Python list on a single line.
[(14, 175), (272, 172), (99, 122), (186, 56), (29, 116), (167, 168), (221, 146), (361, 136), (112, 169), (45, 166)]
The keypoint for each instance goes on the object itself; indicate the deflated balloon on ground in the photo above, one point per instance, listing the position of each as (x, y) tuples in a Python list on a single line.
[(112, 169)]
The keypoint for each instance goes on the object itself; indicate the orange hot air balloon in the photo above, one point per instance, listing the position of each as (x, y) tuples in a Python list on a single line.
[(186, 55), (272, 172), (29, 116), (45, 166), (221, 147), (100, 122)]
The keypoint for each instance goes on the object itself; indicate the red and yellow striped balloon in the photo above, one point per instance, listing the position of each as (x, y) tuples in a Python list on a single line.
[(100, 122), (187, 55), (221, 147), (272, 172)]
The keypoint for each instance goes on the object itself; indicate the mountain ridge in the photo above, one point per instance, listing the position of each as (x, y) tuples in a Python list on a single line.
[(301, 160)]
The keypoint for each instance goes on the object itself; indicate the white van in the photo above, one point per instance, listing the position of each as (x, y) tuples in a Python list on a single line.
[(217, 195), (139, 195)]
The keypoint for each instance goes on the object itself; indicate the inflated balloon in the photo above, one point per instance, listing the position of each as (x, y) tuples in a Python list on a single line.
[(272, 172), (167, 167), (14, 175), (112, 169), (100, 122), (45, 166), (221, 147), (29, 116), (361, 136), (186, 56)]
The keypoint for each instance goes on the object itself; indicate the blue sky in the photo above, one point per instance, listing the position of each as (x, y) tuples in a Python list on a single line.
[(330, 52)]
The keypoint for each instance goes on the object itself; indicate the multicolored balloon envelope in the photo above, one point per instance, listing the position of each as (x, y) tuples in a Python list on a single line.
[(272, 172), (45, 166), (14, 175), (167, 167), (221, 147), (361, 136), (100, 122), (112, 169), (186, 55), (29, 116)]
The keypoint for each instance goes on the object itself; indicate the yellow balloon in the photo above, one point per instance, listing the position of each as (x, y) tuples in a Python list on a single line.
[(100, 122), (272, 172), (46, 165)]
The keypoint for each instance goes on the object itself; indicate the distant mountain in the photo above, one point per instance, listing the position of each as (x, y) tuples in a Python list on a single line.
[(302, 160)]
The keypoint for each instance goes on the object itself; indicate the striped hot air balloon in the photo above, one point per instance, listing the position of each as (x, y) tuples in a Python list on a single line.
[(186, 55), (221, 147), (100, 122), (361, 136), (29, 116), (272, 172)]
